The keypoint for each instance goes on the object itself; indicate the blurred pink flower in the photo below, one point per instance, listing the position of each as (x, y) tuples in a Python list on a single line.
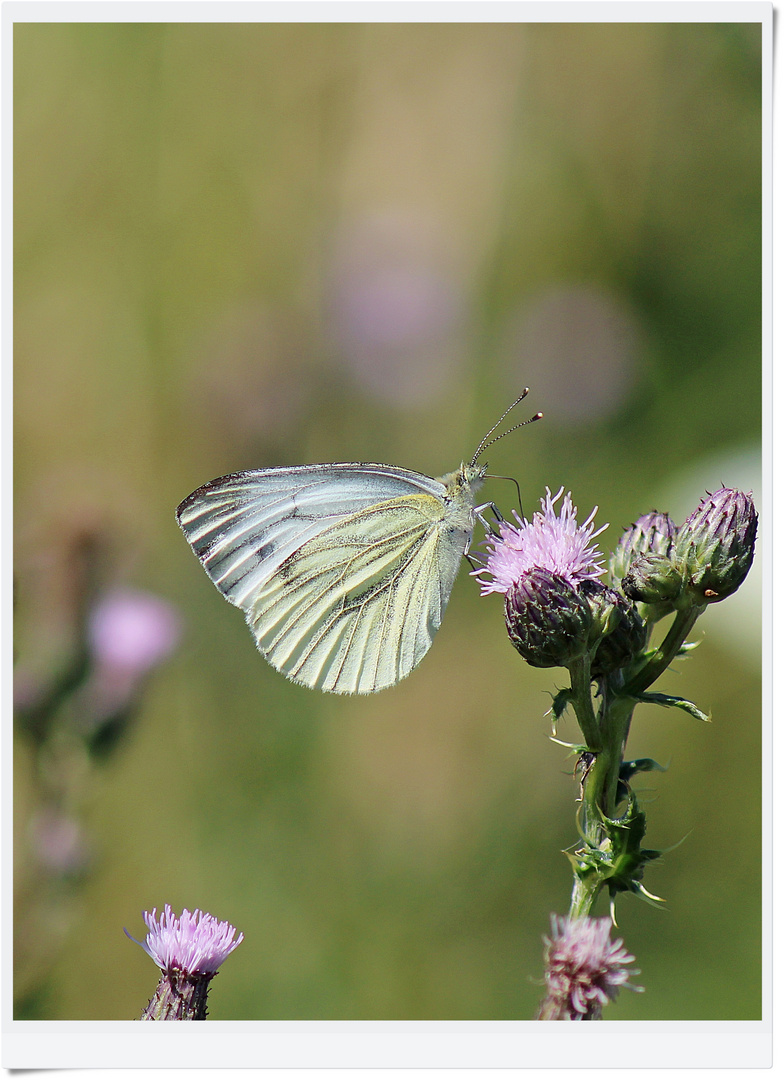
[(58, 842), (133, 631), (398, 309), (584, 969)]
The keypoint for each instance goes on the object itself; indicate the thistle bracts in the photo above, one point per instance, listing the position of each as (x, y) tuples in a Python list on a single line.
[(651, 534), (547, 619), (715, 545)]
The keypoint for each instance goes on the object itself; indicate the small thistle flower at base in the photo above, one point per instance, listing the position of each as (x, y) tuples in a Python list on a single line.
[(584, 970), (188, 949)]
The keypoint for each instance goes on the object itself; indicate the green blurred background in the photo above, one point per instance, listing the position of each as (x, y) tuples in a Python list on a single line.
[(249, 245)]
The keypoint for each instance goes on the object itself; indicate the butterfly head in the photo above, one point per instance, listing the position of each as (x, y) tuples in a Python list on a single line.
[(471, 476)]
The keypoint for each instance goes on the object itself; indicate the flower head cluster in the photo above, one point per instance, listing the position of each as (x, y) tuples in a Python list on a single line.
[(584, 969), (550, 541), (194, 943)]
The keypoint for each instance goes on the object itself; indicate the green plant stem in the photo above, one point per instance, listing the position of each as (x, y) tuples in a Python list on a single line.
[(580, 674), (584, 893), (664, 655), (606, 737), (600, 794)]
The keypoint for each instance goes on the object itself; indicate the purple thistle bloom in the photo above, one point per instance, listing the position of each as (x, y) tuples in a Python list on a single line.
[(584, 970), (193, 943), (550, 541)]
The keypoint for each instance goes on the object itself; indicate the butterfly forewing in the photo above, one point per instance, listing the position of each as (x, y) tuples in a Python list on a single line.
[(343, 570), (244, 526)]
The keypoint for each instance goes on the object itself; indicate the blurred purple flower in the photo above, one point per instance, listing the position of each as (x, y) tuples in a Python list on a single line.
[(133, 631), (58, 842), (584, 970), (193, 943), (550, 541), (398, 313), (580, 345)]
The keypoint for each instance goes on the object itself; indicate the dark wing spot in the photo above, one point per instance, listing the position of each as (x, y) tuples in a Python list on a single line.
[(264, 551)]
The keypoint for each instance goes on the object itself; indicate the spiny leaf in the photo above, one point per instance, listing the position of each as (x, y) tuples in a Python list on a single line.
[(669, 701)]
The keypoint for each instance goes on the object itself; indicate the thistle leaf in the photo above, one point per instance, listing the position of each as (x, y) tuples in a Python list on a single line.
[(669, 701)]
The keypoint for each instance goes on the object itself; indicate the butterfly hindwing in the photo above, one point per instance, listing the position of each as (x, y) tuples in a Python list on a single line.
[(355, 609)]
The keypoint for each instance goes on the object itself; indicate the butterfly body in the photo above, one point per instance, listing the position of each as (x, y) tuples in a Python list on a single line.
[(343, 571)]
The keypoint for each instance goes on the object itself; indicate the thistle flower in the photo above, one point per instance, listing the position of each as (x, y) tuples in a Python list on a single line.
[(539, 566), (716, 544), (132, 631), (188, 949), (550, 541), (584, 970)]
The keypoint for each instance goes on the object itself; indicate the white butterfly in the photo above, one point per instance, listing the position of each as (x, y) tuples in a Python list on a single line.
[(343, 571)]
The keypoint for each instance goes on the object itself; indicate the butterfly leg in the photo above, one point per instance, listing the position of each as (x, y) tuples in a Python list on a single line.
[(478, 513)]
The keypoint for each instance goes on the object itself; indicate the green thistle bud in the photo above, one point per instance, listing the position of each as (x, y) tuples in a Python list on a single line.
[(654, 579), (716, 545), (548, 622), (653, 533), (617, 627), (604, 612)]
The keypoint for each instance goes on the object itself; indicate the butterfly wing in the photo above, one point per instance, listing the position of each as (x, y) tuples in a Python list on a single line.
[(343, 571)]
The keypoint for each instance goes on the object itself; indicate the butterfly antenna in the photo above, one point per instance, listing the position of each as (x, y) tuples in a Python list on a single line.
[(487, 441)]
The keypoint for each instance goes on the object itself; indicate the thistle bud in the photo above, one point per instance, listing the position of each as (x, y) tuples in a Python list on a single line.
[(548, 621), (617, 626), (716, 545), (654, 579), (653, 533)]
